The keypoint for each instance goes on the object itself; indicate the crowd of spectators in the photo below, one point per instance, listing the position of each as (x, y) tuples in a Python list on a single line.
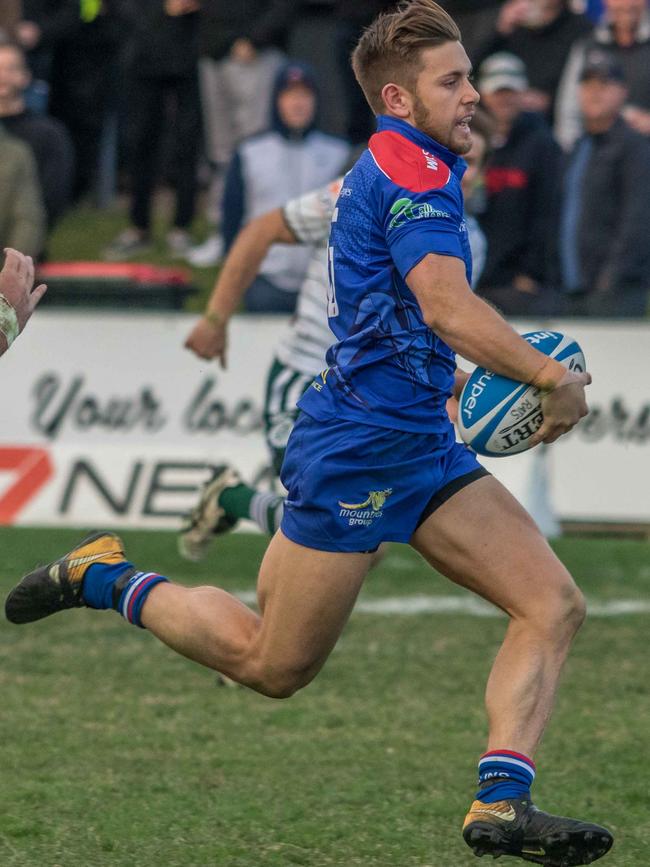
[(254, 102)]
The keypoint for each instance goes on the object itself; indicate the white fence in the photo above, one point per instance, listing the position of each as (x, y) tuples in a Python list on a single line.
[(107, 421)]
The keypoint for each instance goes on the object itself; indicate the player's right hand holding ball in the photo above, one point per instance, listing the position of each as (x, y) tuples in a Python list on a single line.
[(563, 407)]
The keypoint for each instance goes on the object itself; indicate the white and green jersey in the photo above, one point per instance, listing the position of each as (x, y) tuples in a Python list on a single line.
[(308, 336)]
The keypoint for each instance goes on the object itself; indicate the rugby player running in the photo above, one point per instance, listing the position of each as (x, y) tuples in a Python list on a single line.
[(373, 455)]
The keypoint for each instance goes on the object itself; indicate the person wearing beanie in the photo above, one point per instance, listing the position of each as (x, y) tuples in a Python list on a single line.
[(292, 157)]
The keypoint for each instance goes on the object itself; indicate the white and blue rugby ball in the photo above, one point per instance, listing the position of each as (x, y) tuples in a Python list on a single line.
[(498, 416)]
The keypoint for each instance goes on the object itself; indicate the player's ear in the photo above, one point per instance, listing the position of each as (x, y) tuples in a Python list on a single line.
[(398, 100)]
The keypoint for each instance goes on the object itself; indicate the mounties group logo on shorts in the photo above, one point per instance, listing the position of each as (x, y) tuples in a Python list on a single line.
[(364, 514), (403, 210)]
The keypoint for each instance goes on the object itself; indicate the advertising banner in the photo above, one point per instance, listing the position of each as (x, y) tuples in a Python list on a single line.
[(107, 420), (601, 470)]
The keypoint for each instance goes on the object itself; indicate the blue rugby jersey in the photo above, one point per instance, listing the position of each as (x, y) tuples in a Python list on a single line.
[(401, 201)]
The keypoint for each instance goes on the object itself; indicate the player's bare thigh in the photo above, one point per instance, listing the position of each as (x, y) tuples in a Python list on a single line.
[(484, 540), (305, 597)]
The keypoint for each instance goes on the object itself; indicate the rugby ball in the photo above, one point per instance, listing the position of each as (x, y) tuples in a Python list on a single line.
[(498, 416)]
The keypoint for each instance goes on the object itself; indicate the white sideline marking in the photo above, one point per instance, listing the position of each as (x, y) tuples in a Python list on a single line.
[(409, 605)]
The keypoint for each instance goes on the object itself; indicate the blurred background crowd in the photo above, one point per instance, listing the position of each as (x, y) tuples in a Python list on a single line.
[(236, 107)]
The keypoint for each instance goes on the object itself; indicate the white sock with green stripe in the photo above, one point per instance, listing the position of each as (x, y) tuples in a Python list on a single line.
[(242, 501), (266, 510)]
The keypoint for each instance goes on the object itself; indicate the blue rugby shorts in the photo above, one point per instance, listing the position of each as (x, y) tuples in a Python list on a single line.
[(353, 486)]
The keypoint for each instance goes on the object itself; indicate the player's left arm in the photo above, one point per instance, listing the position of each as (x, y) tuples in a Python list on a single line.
[(476, 331), (431, 220)]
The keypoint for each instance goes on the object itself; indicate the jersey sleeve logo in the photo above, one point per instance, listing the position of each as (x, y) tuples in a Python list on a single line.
[(406, 164), (404, 211)]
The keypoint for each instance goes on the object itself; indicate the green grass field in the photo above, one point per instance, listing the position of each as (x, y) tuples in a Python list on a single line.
[(117, 752)]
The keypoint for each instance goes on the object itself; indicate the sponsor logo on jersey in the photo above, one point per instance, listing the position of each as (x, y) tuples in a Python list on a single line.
[(404, 211), (365, 513), (323, 376), (431, 161)]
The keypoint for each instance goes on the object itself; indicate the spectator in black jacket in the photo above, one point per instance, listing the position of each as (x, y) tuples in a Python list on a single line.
[(85, 84), (47, 137), (42, 24), (161, 76), (541, 33), (522, 184), (604, 247)]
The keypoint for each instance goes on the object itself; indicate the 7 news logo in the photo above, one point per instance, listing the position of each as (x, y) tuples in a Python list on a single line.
[(55, 488), (30, 469)]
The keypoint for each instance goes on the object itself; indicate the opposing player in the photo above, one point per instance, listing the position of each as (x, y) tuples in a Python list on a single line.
[(299, 356), (18, 296), (373, 455)]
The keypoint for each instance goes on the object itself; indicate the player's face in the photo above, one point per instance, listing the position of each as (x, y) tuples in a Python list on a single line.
[(444, 100), (14, 77)]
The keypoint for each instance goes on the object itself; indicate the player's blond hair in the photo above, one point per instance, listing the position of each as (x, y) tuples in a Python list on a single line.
[(389, 49)]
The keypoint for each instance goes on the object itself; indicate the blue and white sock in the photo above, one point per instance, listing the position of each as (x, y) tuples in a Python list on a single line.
[(134, 595), (99, 581), (119, 586), (503, 774)]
